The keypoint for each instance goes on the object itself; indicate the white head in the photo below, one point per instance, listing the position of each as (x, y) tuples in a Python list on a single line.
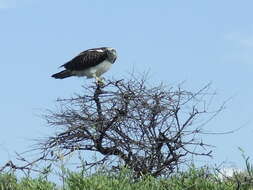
[(112, 54)]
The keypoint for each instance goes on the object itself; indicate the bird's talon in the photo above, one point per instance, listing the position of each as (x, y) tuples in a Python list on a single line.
[(99, 82)]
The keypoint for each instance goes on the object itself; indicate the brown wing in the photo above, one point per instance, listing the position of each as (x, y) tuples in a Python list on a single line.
[(86, 59)]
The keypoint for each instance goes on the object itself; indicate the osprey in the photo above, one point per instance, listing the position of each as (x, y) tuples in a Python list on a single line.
[(91, 63)]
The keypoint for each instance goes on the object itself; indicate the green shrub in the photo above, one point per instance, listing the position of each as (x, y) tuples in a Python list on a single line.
[(38, 184), (8, 181), (192, 179)]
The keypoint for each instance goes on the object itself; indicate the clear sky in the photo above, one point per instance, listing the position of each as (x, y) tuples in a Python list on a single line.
[(193, 41)]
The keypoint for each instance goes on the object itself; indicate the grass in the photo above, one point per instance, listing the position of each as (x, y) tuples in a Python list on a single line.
[(192, 179), (9, 181)]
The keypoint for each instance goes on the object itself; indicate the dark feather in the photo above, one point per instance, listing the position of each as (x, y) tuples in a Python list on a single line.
[(62, 74), (86, 59)]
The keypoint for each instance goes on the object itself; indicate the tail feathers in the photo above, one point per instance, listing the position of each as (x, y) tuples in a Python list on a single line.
[(62, 74)]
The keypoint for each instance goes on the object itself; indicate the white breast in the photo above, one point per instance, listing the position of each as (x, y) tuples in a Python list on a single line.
[(98, 70)]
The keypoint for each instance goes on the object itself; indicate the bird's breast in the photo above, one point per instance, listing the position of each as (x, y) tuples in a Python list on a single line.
[(102, 67), (98, 70)]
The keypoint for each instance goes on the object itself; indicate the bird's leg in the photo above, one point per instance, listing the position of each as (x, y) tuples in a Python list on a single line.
[(102, 78), (98, 80)]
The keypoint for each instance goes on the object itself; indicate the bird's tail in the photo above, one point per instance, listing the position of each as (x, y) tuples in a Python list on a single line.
[(62, 74)]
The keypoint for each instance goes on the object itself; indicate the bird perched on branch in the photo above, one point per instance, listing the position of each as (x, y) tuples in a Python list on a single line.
[(91, 63)]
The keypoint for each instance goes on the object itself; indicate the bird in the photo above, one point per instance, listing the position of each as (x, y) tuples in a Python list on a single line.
[(91, 63)]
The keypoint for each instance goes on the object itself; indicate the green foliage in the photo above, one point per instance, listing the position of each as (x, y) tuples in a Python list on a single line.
[(198, 179), (39, 184), (9, 181), (192, 179), (243, 180)]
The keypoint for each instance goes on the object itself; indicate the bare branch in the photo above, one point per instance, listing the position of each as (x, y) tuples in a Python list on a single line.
[(149, 129)]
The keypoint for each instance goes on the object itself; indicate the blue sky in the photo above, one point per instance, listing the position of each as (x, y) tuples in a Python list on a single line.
[(193, 41)]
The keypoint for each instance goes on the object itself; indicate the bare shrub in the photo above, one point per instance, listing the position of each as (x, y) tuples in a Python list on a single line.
[(151, 130)]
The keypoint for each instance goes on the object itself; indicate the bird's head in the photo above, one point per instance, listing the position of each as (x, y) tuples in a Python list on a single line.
[(112, 54)]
